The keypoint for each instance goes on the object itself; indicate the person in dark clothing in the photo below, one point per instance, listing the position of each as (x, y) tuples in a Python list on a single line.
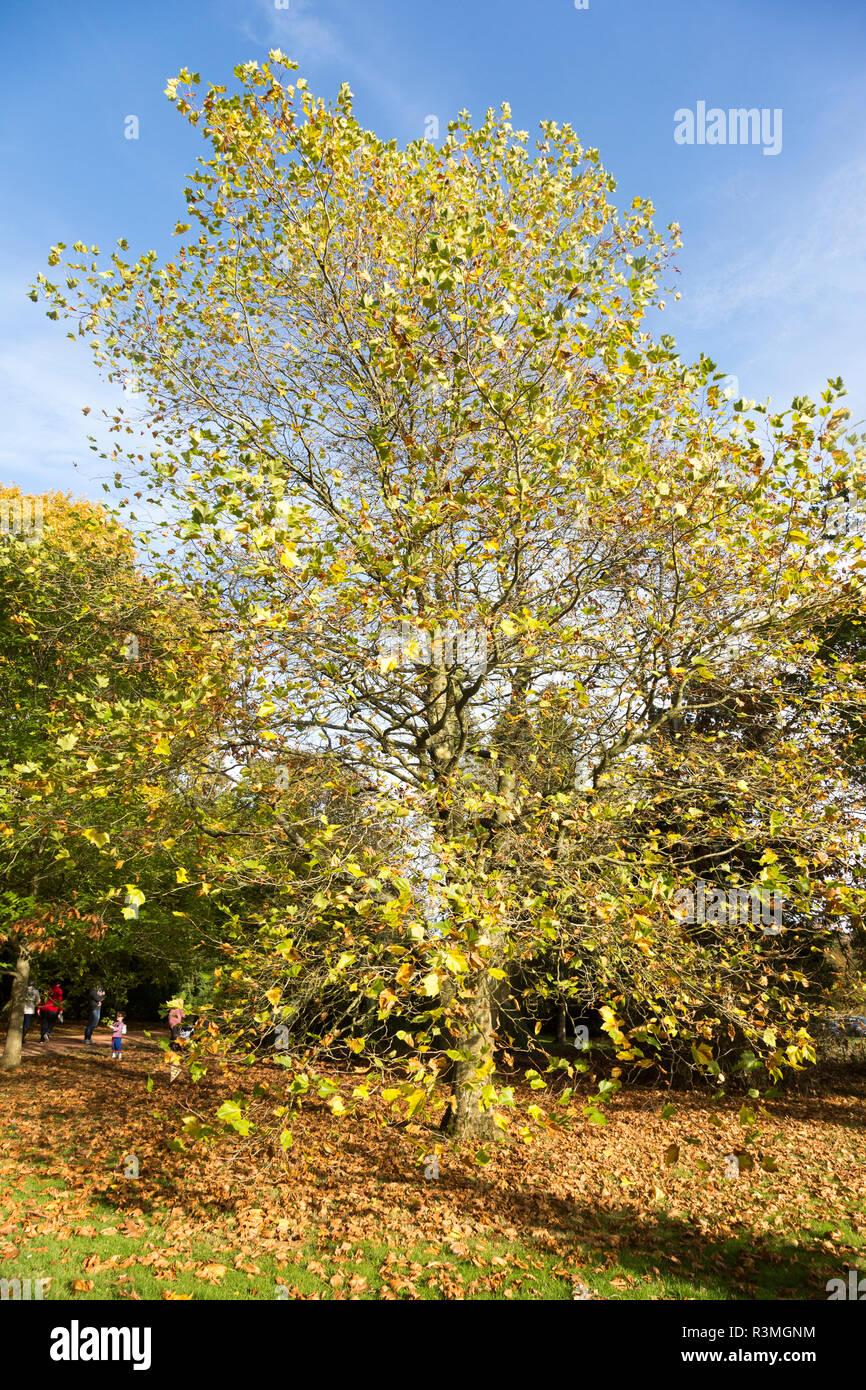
[(95, 996)]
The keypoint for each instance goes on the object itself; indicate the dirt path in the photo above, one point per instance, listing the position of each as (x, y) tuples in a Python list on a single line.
[(67, 1039)]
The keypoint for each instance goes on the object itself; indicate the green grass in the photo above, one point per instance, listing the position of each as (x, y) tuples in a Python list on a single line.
[(477, 1270)]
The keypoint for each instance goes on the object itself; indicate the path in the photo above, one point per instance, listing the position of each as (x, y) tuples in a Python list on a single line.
[(68, 1039)]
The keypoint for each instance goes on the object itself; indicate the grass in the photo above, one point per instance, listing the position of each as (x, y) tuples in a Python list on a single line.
[(350, 1215), (99, 1260)]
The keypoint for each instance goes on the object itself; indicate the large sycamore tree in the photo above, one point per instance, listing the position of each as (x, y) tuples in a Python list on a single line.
[(413, 392)]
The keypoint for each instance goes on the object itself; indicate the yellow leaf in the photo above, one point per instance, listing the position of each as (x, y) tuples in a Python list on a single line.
[(416, 1100)]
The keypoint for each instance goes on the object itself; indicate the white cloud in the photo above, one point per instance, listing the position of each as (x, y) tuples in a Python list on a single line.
[(45, 381), (826, 252), (344, 41), (785, 311), (310, 37)]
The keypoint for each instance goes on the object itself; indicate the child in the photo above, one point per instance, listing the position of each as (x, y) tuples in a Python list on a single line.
[(118, 1028)]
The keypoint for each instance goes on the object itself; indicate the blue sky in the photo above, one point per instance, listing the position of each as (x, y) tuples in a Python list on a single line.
[(773, 267)]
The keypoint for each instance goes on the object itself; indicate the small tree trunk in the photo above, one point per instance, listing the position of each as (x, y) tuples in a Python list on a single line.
[(561, 1035), (467, 1116), (12, 1050)]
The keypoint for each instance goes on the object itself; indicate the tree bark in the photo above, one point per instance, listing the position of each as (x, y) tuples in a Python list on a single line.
[(12, 1050), (561, 1035), (468, 1118)]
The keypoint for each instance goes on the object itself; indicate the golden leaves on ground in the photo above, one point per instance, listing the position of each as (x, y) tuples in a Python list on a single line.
[(650, 1203)]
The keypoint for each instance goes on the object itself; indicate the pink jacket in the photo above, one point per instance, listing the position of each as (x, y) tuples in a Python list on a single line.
[(175, 1017)]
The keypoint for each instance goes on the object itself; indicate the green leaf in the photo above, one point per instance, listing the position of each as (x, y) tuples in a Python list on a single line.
[(231, 1114)]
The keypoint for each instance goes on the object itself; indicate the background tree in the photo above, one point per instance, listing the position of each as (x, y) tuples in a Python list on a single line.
[(110, 691)]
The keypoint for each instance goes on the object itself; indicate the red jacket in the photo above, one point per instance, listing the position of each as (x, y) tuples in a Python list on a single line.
[(53, 1002)]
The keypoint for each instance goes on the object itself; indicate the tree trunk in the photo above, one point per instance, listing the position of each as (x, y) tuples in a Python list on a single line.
[(561, 1035), (468, 1117), (12, 1050)]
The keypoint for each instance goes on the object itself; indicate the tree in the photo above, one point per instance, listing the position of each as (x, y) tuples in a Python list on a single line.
[(410, 391), (109, 686)]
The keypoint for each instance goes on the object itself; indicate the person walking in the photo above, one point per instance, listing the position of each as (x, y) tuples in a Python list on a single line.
[(95, 996), (118, 1028), (32, 999), (175, 1019), (50, 1010)]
